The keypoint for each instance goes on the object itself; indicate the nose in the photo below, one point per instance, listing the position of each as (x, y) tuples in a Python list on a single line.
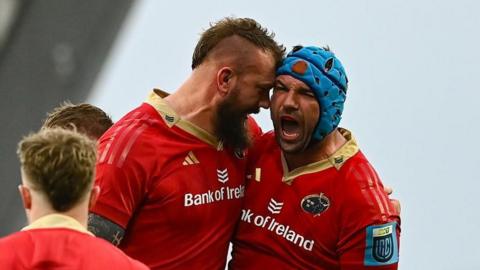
[(290, 100)]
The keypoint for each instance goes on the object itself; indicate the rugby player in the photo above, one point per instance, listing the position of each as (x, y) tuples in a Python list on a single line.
[(57, 168), (172, 170), (313, 200)]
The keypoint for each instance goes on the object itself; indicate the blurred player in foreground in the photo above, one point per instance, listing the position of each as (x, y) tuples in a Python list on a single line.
[(57, 168)]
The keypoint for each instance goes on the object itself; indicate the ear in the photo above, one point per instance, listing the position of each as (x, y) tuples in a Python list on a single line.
[(225, 79), (93, 196), (26, 196)]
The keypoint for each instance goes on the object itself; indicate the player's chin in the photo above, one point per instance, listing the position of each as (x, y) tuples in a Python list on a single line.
[(292, 147), (288, 144)]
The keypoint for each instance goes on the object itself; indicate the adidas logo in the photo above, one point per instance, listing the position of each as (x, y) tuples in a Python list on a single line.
[(275, 207), (222, 175), (190, 159)]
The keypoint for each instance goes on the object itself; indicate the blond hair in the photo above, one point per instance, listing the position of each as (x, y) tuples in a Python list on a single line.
[(86, 118), (59, 163)]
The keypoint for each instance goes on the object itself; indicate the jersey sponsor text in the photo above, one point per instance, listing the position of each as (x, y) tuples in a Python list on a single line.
[(211, 196), (269, 223)]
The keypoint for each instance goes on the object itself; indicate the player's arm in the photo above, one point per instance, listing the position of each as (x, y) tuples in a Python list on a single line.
[(106, 229), (122, 188), (370, 224)]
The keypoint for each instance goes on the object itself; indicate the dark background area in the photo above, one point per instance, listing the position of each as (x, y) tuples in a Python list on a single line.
[(50, 51)]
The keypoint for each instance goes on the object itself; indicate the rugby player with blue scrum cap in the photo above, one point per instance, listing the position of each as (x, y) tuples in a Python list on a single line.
[(313, 200)]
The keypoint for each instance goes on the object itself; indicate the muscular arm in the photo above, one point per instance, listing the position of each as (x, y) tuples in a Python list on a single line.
[(106, 229), (370, 222)]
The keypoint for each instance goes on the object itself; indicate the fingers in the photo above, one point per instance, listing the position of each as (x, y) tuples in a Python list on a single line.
[(388, 190), (396, 205)]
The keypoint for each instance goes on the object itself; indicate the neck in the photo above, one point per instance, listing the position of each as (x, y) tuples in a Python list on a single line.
[(316, 152), (195, 101), (41, 208)]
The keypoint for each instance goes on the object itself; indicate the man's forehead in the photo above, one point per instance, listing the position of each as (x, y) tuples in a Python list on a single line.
[(263, 59), (291, 82), (261, 70), (265, 75)]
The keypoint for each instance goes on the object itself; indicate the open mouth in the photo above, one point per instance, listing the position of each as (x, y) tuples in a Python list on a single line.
[(290, 128)]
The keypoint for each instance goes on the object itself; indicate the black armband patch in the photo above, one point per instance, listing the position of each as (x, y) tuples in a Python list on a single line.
[(106, 229)]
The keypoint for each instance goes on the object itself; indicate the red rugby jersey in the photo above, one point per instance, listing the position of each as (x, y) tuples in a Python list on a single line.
[(332, 214), (60, 242), (172, 186)]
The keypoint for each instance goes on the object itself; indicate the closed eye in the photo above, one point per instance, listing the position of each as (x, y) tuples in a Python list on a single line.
[(279, 87), (307, 92)]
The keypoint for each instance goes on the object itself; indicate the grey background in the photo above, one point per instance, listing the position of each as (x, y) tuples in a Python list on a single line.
[(50, 51), (412, 103)]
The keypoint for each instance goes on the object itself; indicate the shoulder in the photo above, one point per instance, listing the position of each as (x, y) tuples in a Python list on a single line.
[(143, 121), (106, 249), (136, 135), (361, 191), (358, 171), (12, 239), (45, 241), (356, 176), (9, 249), (102, 253)]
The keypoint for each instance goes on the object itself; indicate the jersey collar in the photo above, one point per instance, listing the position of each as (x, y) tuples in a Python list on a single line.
[(171, 118), (57, 221), (336, 160)]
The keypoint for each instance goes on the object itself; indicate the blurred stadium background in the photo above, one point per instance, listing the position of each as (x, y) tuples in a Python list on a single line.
[(412, 104), (50, 51)]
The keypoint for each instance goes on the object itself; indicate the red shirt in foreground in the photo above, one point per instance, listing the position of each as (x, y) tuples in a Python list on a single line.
[(172, 186), (60, 242), (332, 214)]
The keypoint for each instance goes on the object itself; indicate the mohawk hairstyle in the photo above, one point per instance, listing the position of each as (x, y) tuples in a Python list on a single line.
[(246, 28)]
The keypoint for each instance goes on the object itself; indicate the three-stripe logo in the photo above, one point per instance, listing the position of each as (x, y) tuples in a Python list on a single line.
[(275, 207), (190, 159), (222, 175)]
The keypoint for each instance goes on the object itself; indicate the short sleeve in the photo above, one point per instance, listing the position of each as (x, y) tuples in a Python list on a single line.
[(120, 192), (370, 226), (123, 177)]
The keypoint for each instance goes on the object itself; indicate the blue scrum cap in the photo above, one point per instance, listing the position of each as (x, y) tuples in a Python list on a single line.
[(324, 74)]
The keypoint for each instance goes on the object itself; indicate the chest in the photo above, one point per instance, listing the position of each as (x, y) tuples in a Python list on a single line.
[(300, 215), (200, 182)]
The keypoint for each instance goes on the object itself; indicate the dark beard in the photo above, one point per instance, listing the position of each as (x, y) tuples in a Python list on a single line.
[(231, 127)]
